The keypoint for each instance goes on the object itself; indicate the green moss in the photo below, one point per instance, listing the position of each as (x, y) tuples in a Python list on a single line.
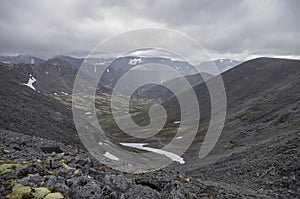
[(7, 168), (9, 184), (58, 113), (25, 192), (54, 196), (46, 166), (2, 151), (52, 188), (25, 93), (43, 181), (76, 171), (65, 165), (20, 192), (40, 193)]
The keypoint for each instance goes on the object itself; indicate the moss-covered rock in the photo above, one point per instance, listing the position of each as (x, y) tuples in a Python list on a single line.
[(55, 195), (9, 167), (40, 193), (20, 192)]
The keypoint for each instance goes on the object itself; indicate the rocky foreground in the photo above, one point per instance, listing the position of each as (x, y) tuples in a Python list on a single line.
[(32, 167)]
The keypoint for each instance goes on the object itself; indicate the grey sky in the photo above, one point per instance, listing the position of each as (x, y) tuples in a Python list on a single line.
[(232, 28)]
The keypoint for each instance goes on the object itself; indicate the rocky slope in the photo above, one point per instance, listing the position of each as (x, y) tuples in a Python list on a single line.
[(32, 167), (33, 112)]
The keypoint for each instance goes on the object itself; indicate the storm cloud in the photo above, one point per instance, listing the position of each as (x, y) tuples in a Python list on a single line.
[(233, 28)]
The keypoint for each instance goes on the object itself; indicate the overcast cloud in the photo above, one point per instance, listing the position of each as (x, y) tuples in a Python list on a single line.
[(232, 28)]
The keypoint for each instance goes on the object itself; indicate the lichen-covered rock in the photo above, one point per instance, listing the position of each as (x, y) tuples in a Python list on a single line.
[(7, 168), (40, 193), (20, 192), (54, 196)]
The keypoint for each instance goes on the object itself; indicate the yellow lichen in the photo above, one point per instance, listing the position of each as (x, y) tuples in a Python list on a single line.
[(40, 193), (20, 191), (184, 180), (54, 196), (7, 168)]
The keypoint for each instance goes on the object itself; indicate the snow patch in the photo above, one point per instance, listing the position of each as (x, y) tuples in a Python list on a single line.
[(179, 137), (134, 61), (99, 63), (170, 155), (110, 156), (107, 70), (64, 93), (32, 61), (30, 82), (176, 122)]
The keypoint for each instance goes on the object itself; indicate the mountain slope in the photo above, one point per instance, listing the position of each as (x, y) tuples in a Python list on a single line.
[(259, 92), (222, 64), (262, 122), (26, 110)]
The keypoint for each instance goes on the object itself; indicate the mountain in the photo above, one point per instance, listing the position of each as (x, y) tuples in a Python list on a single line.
[(261, 93), (259, 146), (262, 125), (25, 59), (121, 65), (257, 155), (153, 91), (222, 64), (71, 60)]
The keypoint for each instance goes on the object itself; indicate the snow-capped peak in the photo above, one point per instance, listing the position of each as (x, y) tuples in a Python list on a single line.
[(134, 61)]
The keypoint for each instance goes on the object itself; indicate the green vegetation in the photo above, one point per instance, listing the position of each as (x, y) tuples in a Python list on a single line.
[(40, 193), (103, 103), (20, 191), (9, 167)]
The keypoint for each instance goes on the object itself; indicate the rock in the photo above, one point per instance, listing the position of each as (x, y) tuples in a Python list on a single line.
[(90, 190), (50, 181), (118, 182), (32, 180), (138, 191), (20, 191), (51, 149)]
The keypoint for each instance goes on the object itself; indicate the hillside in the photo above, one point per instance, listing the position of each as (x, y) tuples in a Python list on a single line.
[(257, 153)]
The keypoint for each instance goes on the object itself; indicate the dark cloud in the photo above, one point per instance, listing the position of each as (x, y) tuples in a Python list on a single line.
[(230, 28)]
